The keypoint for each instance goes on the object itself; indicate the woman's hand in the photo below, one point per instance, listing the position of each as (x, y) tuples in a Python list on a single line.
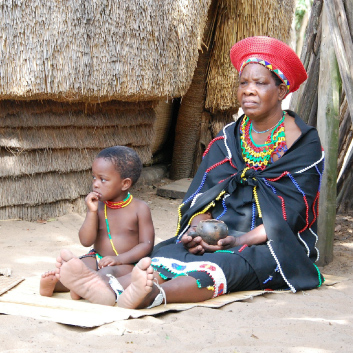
[(193, 245), (228, 242), (197, 246), (254, 237), (222, 244)]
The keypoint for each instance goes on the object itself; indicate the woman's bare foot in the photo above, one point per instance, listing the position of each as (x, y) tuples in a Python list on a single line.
[(82, 281), (136, 295), (47, 283)]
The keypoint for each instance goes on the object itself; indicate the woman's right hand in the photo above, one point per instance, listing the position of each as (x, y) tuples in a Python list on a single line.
[(92, 201), (193, 245)]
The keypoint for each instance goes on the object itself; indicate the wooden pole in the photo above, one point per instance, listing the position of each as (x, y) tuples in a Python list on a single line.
[(342, 41), (348, 5), (328, 125), (304, 101)]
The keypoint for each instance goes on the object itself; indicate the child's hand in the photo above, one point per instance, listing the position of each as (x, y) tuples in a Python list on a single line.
[(109, 261), (92, 201)]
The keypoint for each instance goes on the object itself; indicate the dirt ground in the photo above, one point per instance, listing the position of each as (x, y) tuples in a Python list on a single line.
[(320, 320)]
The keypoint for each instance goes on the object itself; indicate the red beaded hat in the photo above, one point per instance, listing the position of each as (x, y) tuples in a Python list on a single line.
[(275, 55)]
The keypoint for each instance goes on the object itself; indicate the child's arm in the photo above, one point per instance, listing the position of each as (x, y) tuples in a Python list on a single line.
[(145, 245), (89, 229)]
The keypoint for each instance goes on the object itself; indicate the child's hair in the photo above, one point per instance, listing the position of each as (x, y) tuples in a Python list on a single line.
[(125, 160)]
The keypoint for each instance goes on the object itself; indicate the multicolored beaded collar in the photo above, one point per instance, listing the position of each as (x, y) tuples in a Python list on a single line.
[(115, 205), (258, 156), (268, 66)]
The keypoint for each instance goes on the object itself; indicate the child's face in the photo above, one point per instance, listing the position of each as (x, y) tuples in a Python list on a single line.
[(107, 182)]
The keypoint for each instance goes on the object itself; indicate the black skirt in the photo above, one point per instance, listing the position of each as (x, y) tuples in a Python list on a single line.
[(223, 271)]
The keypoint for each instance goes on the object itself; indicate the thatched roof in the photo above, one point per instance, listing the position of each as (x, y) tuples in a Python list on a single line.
[(238, 20), (99, 50)]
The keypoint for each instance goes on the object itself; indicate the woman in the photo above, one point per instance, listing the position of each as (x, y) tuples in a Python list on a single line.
[(261, 176)]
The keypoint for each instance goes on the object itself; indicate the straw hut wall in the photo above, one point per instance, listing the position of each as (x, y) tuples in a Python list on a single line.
[(48, 148), (77, 77), (228, 22)]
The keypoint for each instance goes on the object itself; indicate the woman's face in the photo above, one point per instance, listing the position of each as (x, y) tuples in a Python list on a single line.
[(258, 94)]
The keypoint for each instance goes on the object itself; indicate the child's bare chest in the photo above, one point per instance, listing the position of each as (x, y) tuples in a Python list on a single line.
[(118, 227), (118, 222)]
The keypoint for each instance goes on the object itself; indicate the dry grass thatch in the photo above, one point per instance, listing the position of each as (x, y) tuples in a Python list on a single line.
[(67, 186), (34, 125), (99, 50), (44, 211), (164, 111), (15, 164), (48, 113), (238, 20), (73, 137), (44, 188)]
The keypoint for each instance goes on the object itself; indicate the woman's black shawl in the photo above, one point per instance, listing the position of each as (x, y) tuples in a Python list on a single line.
[(288, 192)]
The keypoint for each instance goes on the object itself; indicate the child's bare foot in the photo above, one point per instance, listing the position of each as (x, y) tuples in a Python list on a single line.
[(83, 282), (65, 255), (135, 295), (74, 295), (47, 283)]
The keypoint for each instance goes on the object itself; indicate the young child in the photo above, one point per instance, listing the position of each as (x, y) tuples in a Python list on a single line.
[(118, 226)]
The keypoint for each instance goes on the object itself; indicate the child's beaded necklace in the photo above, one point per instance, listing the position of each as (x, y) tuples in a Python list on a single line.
[(115, 205), (257, 156)]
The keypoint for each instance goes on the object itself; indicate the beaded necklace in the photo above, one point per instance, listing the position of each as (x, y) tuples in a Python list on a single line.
[(262, 132), (257, 156), (115, 205), (119, 204)]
